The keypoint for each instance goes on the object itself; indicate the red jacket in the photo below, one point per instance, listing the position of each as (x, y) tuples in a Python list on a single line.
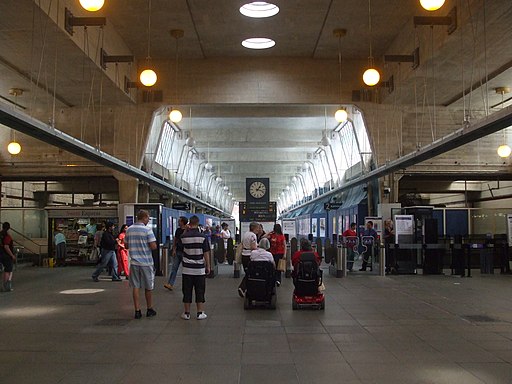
[(296, 257)]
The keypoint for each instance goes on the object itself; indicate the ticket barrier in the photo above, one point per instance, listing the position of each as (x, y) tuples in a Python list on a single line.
[(164, 261), (406, 257), (338, 264)]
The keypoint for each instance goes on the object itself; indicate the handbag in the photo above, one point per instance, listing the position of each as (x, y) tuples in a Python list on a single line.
[(281, 265), (238, 253)]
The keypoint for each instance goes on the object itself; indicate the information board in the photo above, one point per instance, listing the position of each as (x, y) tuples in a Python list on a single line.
[(258, 211), (404, 225), (289, 227)]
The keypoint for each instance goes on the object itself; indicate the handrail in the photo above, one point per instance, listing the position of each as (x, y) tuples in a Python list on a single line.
[(25, 237), (31, 241)]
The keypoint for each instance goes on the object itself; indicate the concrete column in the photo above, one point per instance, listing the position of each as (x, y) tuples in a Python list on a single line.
[(128, 191), (128, 188), (143, 193)]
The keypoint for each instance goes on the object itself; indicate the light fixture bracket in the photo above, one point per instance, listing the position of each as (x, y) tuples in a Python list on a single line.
[(105, 58), (413, 58), (339, 32), (502, 90), (71, 21), (450, 20), (129, 84), (177, 33), (18, 92), (389, 84)]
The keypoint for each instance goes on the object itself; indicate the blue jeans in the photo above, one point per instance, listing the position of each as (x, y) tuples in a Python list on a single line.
[(107, 257), (176, 262)]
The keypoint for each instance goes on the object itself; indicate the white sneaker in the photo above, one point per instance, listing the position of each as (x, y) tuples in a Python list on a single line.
[(185, 316), (201, 316)]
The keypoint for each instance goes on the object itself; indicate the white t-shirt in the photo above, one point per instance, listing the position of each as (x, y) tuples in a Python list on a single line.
[(225, 234), (261, 255), (248, 240)]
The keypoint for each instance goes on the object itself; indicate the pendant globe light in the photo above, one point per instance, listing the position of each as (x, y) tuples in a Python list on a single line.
[(175, 116), (504, 150), (371, 76), (92, 5), (14, 148), (148, 77), (432, 5), (341, 114)]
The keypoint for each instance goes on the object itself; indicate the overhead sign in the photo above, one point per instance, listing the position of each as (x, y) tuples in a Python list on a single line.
[(258, 211), (181, 206), (330, 206)]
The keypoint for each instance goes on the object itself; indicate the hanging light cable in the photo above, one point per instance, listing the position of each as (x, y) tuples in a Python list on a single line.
[(14, 148), (504, 149), (175, 116), (341, 114), (326, 141), (371, 76), (148, 77), (208, 166)]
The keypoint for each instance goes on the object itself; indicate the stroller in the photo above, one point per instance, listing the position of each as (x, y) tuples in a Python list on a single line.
[(307, 279), (261, 285)]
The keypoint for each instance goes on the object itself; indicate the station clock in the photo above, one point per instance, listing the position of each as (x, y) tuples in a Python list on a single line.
[(257, 189)]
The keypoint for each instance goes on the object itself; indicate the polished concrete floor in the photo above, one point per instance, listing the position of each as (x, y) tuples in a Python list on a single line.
[(400, 329)]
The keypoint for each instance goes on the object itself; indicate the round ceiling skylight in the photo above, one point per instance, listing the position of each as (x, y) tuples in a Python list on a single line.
[(259, 9), (258, 43)]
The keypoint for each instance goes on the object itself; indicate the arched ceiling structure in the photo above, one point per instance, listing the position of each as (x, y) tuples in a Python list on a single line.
[(258, 113)]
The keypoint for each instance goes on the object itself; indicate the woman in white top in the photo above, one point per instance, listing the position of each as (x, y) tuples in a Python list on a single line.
[(225, 234)]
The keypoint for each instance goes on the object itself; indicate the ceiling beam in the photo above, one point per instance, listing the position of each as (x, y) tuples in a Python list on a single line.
[(486, 126), (21, 122)]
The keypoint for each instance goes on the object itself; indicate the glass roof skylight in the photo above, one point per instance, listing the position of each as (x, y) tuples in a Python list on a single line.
[(259, 9), (258, 43)]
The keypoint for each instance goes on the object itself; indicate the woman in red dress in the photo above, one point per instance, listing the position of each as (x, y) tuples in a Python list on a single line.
[(122, 253)]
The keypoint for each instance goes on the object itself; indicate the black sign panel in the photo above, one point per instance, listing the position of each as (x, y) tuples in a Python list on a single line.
[(258, 211), (329, 206), (181, 206)]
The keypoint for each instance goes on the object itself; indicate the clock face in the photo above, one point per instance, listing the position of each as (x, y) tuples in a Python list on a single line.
[(257, 189)]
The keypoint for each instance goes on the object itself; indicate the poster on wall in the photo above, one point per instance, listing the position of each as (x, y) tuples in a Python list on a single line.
[(174, 226), (289, 227), (322, 227), (313, 227), (404, 226), (509, 229), (340, 225)]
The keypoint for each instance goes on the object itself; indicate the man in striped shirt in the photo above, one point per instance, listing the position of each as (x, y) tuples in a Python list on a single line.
[(196, 265), (140, 241)]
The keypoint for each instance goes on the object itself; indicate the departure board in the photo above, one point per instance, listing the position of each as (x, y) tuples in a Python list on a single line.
[(258, 211)]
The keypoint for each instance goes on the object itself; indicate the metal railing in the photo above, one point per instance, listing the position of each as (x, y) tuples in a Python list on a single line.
[(37, 254)]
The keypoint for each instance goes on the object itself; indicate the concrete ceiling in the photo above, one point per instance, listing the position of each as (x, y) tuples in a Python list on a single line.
[(42, 59)]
